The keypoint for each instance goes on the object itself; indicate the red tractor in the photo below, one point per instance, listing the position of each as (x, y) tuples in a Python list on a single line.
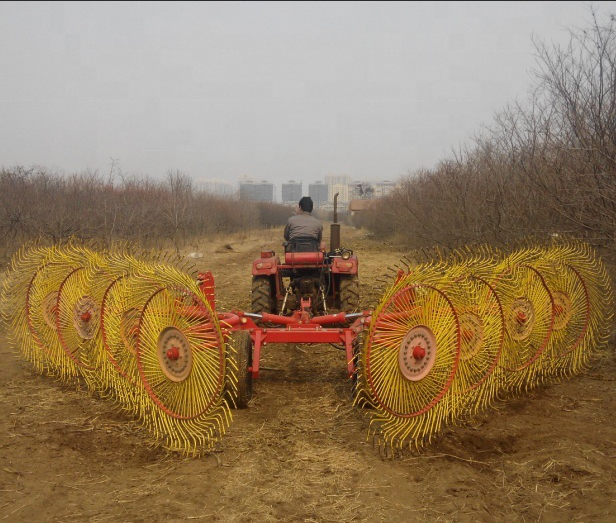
[(311, 296), (326, 279)]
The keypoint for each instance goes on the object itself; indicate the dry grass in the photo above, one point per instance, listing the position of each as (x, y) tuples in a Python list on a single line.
[(300, 453)]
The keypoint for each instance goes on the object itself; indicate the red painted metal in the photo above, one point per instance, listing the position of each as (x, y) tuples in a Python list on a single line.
[(348, 266), (173, 353), (587, 315), (501, 315), (104, 335), (419, 352), (69, 351), (206, 284), (300, 327), (303, 258), (31, 328)]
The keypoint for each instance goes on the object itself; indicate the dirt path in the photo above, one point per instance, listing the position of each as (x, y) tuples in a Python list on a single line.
[(300, 453)]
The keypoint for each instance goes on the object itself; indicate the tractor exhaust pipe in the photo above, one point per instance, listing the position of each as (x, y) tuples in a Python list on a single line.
[(335, 228)]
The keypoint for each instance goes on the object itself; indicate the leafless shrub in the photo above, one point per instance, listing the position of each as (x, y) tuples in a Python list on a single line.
[(39, 203), (545, 166)]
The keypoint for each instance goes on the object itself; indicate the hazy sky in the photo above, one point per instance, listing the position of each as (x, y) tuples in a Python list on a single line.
[(277, 90)]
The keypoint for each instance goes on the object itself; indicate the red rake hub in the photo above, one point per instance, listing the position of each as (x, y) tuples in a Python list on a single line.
[(417, 353), (521, 320), (50, 309), (86, 317), (173, 353)]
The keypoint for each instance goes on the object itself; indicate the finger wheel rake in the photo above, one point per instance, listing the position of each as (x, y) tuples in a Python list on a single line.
[(181, 361), (42, 307), (482, 329), (17, 279), (78, 317), (409, 363), (121, 306), (567, 352), (528, 313), (581, 258)]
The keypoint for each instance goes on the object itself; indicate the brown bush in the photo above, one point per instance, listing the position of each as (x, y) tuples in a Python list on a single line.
[(39, 203), (544, 167)]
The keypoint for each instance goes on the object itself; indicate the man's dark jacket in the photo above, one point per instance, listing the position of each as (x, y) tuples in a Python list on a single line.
[(303, 224)]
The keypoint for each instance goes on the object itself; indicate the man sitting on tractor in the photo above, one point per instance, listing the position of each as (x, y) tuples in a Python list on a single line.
[(303, 231)]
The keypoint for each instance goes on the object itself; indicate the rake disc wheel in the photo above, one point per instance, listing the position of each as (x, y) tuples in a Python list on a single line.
[(49, 308), (529, 317), (412, 351), (180, 354), (129, 325)]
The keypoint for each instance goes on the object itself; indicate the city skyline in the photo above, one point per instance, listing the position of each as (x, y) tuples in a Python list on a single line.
[(321, 191)]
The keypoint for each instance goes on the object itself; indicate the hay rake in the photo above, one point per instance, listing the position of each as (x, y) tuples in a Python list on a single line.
[(448, 338)]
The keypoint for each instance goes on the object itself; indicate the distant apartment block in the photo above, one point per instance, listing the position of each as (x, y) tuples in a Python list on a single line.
[(361, 190), (383, 188), (318, 191), (332, 179), (291, 192), (338, 184), (218, 187), (342, 190), (257, 191)]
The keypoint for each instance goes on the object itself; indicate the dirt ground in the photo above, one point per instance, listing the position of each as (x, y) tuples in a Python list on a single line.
[(299, 452)]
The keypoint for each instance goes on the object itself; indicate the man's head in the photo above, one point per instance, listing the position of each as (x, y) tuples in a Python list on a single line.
[(305, 204)]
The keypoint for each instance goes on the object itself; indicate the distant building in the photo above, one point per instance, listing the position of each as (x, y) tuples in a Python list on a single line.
[(383, 188), (360, 190), (257, 191), (343, 192), (331, 179), (318, 191), (291, 192), (338, 184), (214, 186)]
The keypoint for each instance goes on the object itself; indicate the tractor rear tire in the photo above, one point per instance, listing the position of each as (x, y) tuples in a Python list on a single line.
[(349, 293), (262, 295), (240, 395)]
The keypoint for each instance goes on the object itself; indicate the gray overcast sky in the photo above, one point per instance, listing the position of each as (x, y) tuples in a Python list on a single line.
[(277, 91)]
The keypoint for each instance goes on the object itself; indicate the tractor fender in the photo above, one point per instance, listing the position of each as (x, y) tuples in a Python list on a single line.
[(340, 266), (265, 266)]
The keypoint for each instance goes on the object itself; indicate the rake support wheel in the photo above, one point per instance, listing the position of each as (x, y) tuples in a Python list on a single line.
[(241, 352)]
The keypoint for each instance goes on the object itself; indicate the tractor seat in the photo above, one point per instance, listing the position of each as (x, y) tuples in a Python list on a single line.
[(302, 244)]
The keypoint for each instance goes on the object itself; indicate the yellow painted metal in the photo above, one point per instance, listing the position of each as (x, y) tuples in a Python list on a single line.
[(531, 316)]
